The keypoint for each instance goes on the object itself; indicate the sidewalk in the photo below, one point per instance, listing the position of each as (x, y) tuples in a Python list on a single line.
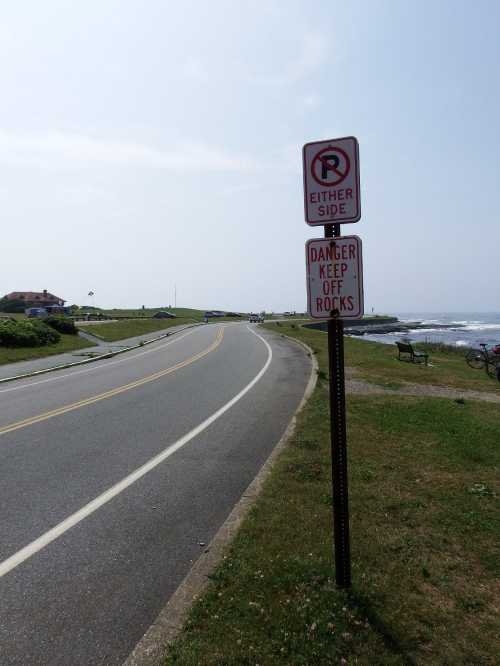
[(101, 347)]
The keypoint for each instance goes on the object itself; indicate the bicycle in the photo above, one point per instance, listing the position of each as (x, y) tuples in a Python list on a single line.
[(484, 358)]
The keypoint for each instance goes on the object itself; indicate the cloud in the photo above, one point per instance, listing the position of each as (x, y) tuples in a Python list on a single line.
[(193, 70), (55, 149), (311, 101), (313, 52)]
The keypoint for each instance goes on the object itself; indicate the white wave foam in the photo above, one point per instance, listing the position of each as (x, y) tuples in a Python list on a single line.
[(425, 330), (482, 327)]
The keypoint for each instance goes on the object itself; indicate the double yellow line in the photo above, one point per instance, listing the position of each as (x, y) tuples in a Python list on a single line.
[(116, 391)]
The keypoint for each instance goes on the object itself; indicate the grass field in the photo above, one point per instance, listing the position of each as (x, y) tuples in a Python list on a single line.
[(425, 526), (378, 363), (67, 343), (128, 328), (149, 312), (181, 313)]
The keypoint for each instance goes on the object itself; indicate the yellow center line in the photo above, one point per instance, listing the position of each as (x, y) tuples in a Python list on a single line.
[(111, 393)]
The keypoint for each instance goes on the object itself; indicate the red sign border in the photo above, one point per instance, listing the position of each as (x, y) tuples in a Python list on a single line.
[(333, 220), (361, 299)]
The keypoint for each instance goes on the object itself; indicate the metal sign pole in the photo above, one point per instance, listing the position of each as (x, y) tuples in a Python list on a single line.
[(338, 438)]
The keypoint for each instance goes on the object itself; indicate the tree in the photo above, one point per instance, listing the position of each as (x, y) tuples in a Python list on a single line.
[(12, 305)]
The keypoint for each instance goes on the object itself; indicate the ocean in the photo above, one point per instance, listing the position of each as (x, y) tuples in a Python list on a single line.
[(468, 328)]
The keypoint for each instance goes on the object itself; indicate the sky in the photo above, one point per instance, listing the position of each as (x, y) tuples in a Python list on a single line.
[(147, 146)]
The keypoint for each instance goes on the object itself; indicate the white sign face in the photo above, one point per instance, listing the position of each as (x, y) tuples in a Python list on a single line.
[(334, 277), (331, 181)]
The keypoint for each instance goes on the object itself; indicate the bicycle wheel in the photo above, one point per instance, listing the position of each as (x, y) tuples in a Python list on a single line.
[(491, 367), (475, 359)]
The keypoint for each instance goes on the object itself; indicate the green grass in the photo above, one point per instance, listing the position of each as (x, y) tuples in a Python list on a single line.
[(378, 363), (129, 328), (149, 312), (186, 313), (425, 526), (426, 522), (68, 343)]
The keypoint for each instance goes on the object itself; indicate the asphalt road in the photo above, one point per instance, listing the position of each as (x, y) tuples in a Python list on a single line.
[(113, 474)]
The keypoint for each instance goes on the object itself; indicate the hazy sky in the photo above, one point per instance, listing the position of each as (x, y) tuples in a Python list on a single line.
[(150, 143)]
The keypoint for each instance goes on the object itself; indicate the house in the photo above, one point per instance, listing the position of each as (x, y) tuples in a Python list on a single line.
[(35, 298)]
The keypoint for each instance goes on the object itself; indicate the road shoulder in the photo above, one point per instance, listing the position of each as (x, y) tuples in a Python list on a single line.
[(150, 651)]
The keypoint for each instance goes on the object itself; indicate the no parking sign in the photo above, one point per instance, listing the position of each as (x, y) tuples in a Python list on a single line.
[(331, 181), (335, 293)]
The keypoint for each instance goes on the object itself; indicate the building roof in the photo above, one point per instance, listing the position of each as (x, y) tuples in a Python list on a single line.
[(33, 296)]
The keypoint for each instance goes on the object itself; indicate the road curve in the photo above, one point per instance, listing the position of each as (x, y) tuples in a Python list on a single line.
[(114, 475)]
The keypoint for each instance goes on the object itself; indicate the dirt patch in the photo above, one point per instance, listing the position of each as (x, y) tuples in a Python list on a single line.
[(362, 387)]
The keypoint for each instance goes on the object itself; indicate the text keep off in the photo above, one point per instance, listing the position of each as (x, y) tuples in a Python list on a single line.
[(334, 277), (331, 181)]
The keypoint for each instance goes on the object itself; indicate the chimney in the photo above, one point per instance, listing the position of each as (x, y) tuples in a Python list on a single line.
[(45, 292)]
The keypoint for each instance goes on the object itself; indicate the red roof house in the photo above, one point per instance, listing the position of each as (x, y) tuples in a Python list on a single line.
[(36, 298)]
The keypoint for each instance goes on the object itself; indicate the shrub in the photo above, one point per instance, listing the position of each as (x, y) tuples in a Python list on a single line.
[(46, 334), (62, 324), (26, 333), (12, 305)]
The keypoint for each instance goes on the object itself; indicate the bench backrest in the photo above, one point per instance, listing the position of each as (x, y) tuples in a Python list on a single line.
[(405, 347)]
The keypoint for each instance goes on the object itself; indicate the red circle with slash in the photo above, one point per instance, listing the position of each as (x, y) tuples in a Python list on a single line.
[(328, 161)]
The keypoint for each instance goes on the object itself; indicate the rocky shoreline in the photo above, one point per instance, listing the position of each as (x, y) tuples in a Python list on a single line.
[(382, 325)]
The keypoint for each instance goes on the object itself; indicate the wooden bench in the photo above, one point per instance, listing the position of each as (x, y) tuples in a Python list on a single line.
[(409, 354)]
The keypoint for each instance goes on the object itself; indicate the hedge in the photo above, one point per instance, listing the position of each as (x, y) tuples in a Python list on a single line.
[(25, 333), (62, 324), (12, 305)]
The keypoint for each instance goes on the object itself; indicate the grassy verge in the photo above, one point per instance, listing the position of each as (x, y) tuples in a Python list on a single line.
[(128, 328), (184, 313), (68, 343), (425, 523), (149, 312), (378, 363)]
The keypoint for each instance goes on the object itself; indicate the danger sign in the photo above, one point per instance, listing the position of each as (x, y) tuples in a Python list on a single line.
[(331, 181), (334, 277)]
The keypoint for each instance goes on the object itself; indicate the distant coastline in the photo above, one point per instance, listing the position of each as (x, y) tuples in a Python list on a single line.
[(460, 329), (382, 325)]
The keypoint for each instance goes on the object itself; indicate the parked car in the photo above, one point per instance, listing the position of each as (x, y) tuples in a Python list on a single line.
[(214, 313), (41, 313), (58, 309), (163, 314)]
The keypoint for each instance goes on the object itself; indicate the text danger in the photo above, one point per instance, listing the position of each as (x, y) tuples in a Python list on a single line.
[(334, 277)]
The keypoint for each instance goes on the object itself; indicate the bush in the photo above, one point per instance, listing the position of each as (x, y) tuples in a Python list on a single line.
[(12, 306), (26, 333), (62, 324)]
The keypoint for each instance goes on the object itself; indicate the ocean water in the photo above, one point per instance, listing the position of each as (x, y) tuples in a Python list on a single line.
[(468, 328)]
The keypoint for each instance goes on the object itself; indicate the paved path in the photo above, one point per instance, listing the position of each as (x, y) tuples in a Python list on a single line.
[(101, 347), (114, 475)]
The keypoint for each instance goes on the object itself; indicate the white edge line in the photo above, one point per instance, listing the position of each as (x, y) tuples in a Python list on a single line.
[(57, 531), (151, 649)]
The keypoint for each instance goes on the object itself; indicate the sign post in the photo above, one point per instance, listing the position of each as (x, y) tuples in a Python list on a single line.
[(335, 293)]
